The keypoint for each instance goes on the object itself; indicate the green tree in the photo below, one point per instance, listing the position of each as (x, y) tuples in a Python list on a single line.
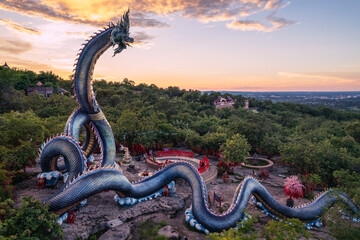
[(213, 141), (291, 229), (349, 182), (270, 145), (6, 209), (48, 79), (6, 187), (320, 158), (55, 105), (128, 82), (31, 221), (340, 228), (7, 82), (128, 124), (236, 149), (174, 92), (193, 138), (16, 127), (21, 156), (245, 231), (353, 129)]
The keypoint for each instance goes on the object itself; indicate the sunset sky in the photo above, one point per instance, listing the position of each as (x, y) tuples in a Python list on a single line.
[(245, 45)]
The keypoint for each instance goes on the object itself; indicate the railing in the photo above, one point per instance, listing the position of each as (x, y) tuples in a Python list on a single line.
[(203, 164), (175, 153)]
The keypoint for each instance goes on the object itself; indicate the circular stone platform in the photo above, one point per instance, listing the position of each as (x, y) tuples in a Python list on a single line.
[(268, 166)]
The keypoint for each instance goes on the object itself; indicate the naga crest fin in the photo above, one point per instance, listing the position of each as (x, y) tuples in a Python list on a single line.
[(120, 34)]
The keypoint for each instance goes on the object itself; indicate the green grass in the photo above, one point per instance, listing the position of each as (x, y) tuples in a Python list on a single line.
[(260, 163), (149, 229)]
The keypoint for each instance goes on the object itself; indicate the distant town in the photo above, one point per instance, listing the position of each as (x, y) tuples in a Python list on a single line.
[(349, 101)]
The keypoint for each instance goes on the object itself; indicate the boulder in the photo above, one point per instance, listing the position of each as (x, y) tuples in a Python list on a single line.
[(169, 204), (169, 232), (120, 232)]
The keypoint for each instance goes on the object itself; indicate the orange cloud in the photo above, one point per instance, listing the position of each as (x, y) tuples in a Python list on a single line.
[(333, 78), (273, 4), (96, 12), (21, 63), (78, 34), (11, 46), (20, 28), (247, 25)]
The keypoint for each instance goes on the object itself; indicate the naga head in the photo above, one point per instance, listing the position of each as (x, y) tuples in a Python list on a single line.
[(120, 34)]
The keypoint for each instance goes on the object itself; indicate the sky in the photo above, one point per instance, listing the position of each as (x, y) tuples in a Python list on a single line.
[(244, 45)]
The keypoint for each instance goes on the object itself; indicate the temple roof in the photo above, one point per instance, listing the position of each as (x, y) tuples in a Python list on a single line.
[(6, 66)]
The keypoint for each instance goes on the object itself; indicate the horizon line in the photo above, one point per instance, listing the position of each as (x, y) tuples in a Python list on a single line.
[(278, 91)]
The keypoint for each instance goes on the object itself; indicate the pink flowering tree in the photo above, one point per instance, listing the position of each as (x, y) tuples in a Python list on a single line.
[(293, 188)]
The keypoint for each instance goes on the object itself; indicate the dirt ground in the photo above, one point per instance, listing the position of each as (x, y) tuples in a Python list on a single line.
[(101, 207)]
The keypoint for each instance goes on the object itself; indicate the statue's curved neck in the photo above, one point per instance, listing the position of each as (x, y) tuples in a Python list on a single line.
[(85, 68)]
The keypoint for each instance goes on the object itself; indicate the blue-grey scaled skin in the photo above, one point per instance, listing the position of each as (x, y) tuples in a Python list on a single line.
[(77, 119), (74, 123), (83, 182), (102, 179), (68, 148), (89, 111), (85, 95)]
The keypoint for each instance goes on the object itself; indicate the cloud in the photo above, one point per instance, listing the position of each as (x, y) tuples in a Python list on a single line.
[(143, 20), (145, 13), (215, 11), (334, 77), (18, 27), (21, 63), (142, 39), (32, 7), (78, 34), (247, 25), (273, 4), (278, 22), (12, 46), (285, 5), (94, 13)]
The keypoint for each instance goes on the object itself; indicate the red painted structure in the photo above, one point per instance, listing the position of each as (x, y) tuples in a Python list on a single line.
[(175, 153), (151, 162), (204, 165)]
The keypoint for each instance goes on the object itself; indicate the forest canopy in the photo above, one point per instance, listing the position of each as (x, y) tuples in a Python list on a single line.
[(319, 143)]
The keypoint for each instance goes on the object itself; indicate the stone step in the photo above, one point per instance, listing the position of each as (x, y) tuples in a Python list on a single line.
[(210, 175)]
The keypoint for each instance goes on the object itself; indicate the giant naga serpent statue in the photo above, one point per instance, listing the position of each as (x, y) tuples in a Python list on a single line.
[(84, 182)]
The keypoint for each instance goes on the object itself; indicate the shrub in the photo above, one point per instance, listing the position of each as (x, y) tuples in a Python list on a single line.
[(6, 187), (293, 187), (244, 232), (31, 221), (236, 149), (285, 230), (341, 228)]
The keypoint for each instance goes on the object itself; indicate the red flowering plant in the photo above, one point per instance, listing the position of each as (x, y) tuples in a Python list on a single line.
[(293, 188)]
